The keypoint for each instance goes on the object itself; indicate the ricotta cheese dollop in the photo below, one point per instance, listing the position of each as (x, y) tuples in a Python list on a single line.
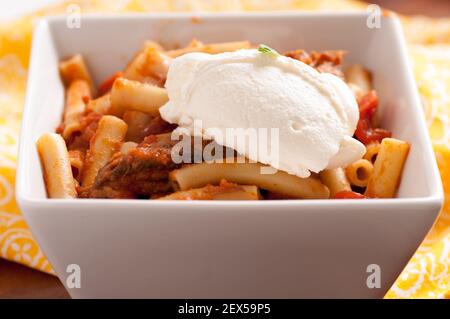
[(315, 113)]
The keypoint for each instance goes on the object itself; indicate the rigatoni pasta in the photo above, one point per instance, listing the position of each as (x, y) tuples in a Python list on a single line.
[(372, 151), (136, 121), (336, 180), (107, 140), (76, 158), (75, 68), (78, 94), (388, 168), (359, 172), (100, 105), (113, 142), (137, 96), (56, 166), (149, 66), (213, 48), (224, 191), (246, 173), (126, 147)]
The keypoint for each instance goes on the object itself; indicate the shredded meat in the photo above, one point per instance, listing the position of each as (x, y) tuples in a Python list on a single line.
[(141, 125), (89, 124), (142, 172), (326, 62), (157, 126)]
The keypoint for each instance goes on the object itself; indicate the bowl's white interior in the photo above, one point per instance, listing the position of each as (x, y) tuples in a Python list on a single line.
[(108, 43)]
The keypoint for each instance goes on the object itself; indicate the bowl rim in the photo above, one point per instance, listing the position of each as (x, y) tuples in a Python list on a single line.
[(221, 15), (434, 198)]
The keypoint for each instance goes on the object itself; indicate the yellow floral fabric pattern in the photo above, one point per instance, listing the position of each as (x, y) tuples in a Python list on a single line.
[(16, 241), (427, 274)]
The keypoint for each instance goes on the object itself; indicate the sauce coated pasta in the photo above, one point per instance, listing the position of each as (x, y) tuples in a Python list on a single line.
[(114, 143)]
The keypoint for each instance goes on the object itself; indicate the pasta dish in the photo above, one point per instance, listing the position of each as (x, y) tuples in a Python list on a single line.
[(222, 121)]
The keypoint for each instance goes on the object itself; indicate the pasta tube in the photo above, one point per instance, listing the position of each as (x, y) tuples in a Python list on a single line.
[(388, 168), (335, 180), (100, 105), (221, 192), (247, 192), (75, 68), (78, 94), (126, 147), (76, 158), (212, 48), (359, 172), (198, 175), (149, 66), (360, 77), (133, 95), (136, 122), (107, 140), (372, 151), (193, 46), (54, 157)]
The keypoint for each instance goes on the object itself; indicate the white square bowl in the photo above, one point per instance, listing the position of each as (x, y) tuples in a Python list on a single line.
[(270, 249)]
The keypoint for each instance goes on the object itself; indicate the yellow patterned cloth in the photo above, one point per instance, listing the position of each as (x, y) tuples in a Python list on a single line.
[(427, 274)]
